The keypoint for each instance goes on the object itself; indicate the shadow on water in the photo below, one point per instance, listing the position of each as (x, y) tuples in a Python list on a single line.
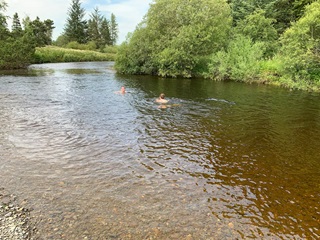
[(225, 161), (253, 150)]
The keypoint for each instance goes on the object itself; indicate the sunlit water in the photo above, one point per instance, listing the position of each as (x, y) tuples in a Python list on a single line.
[(225, 161)]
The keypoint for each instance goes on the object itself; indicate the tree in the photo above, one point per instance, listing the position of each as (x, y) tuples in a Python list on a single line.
[(286, 12), (94, 25), (99, 29), (4, 32), (16, 29), (42, 31), (61, 41), (240, 60), (259, 29), (16, 48), (76, 26), (240, 9), (105, 32), (174, 36), (301, 46), (113, 30), (17, 53)]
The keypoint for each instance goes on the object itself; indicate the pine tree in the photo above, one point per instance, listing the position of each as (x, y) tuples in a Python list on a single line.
[(76, 27), (105, 32), (94, 24), (113, 30), (16, 29)]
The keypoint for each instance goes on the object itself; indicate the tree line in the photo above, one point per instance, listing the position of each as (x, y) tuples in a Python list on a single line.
[(270, 41), (18, 44)]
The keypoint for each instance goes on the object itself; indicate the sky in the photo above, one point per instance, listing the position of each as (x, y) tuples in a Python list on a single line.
[(128, 13)]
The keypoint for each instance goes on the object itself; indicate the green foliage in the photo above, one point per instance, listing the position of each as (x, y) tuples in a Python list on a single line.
[(61, 41), (110, 49), (174, 35), (4, 32), (286, 12), (240, 61), (57, 54), (42, 31), (16, 53), (301, 47), (16, 50), (241, 9), (98, 29), (16, 26), (113, 30), (88, 46), (105, 33), (76, 26), (259, 29), (135, 55)]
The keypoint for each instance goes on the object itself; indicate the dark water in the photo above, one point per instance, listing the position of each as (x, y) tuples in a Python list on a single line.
[(226, 161)]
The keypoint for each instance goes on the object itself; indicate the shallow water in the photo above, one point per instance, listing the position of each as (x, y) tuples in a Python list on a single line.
[(225, 161)]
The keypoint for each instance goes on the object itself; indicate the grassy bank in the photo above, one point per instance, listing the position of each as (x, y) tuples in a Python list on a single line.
[(52, 54)]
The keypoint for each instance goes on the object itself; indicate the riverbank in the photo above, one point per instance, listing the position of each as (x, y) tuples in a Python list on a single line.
[(53, 54), (15, 221)]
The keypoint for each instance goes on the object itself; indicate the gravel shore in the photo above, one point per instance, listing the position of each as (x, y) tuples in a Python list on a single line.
[(15, 222)]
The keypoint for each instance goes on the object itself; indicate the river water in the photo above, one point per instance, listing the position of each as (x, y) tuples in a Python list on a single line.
[(224, 161)]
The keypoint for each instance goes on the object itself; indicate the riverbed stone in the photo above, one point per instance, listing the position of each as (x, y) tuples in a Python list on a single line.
[(15, 221)]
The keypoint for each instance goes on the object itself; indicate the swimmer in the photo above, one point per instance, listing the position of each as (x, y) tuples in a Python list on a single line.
[(161, 99), (122, 90)]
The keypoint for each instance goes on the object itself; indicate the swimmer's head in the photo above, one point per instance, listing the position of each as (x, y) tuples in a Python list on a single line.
[(162, 95)]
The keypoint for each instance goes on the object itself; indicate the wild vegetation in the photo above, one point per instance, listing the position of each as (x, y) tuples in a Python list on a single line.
[(270, 41), (56, 54), (31, 41)]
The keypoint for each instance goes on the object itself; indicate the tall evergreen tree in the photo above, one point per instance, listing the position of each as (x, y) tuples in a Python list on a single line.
[(105, 32), (16, 29), (113, 30), (94, 25), (76, 27)]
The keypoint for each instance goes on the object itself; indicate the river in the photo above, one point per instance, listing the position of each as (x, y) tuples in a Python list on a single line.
[(225, 160)]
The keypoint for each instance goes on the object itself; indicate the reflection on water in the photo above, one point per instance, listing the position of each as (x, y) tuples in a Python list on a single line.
[(226, 161)]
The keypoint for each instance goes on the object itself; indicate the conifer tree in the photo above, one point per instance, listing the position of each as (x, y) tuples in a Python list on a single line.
[(105, 32), (76, 27), (113, 30), (16, 29), (94, 25)]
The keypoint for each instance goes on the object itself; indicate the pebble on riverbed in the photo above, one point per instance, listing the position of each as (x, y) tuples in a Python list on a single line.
[(14, 220)]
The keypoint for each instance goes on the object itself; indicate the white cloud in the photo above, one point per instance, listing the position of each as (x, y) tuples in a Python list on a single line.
[(128, 12)]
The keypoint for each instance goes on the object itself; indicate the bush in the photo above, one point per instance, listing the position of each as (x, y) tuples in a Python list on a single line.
[(110, 49), (240, 61)]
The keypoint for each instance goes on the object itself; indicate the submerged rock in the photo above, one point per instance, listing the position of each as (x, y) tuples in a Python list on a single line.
[(15, 223)]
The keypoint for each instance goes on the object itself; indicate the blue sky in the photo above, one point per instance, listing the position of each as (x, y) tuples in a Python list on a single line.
[(128, 12)]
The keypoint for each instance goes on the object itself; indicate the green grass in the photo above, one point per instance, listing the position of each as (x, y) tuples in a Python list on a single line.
[(52, 54)]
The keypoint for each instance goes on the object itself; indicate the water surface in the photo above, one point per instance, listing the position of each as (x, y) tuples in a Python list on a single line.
[(226, 161)]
